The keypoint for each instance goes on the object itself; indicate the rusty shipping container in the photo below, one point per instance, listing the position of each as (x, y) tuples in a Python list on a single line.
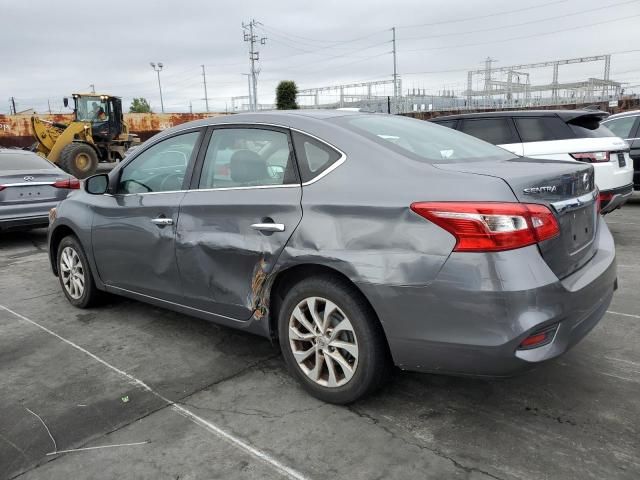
[(15, 130)]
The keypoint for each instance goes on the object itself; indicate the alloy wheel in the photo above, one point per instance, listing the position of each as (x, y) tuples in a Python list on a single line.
[(72, 272), (323, 342)]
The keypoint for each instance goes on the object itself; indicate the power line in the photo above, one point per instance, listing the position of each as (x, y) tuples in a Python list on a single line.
[(497, 14), (513, 25), (342, 55), (297, 38), (523, 36)]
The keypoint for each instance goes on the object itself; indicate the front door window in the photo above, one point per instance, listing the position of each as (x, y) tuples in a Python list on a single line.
[(160, 168)]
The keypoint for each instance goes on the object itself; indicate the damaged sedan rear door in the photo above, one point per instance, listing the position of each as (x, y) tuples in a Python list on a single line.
[(243, 206)]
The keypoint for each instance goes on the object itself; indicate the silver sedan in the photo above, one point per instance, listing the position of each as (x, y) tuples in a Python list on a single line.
[(29, 187)]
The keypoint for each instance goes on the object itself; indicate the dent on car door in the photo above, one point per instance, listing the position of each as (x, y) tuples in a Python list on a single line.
[(133, 232), (242, 208)]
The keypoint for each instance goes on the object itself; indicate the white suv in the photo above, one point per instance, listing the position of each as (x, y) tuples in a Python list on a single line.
[(574, 135)]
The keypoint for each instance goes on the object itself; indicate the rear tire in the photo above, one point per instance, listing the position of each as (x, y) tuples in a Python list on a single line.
[(341, 355), (79, 159), (75, 274)]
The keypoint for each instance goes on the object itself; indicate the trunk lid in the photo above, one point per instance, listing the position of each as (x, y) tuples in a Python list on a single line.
[(29, 186), (567, 188)]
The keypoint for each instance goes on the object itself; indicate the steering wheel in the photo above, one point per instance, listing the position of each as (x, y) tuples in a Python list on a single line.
[(172, 177)]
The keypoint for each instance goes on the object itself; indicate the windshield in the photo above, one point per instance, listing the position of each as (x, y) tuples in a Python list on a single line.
[(423, 140), (91, 109)]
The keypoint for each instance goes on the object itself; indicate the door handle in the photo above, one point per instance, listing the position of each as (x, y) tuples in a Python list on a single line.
[(268, 227), (162, 221)]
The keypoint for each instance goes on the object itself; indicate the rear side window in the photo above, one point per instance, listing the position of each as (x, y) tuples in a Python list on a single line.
[(314, 157), (588, 126), (622, 127), (21, 161), (542, 129), (493, 130)]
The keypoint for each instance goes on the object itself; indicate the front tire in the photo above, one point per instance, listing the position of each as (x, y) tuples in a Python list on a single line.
[(75, 275), (331, 341), (79, 159)]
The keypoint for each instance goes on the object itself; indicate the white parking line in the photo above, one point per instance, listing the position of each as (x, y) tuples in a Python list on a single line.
[(624, 314), (212, 428)]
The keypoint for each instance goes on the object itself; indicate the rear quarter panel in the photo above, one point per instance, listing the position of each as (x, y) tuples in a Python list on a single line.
[(358, 220)]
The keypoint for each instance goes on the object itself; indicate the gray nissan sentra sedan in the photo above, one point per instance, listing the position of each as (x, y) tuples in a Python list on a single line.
[(358, 241)]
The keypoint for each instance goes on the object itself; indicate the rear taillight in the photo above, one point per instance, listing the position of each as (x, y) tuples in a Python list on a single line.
[(2, 187), (539, 338), (71, 182), (491, 226), (592, 157), (603, 199)]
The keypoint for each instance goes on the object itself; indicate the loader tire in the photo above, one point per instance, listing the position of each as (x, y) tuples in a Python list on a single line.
[(79, 159)]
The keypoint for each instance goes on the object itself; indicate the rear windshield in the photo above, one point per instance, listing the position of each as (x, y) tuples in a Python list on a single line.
[(422, 140), (21, 161), (589, 127)]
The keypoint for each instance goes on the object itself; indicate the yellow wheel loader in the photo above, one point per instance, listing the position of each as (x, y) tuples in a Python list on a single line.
[(97, 133)]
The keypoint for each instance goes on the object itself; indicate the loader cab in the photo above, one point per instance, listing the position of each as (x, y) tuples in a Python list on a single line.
[(104, 112)]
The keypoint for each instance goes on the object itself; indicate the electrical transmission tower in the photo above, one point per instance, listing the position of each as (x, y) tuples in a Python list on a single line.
[(254, 56)]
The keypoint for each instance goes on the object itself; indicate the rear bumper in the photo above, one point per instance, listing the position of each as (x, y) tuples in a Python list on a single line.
[(27, 215), (33, 221), (473, 317), (619, 197)]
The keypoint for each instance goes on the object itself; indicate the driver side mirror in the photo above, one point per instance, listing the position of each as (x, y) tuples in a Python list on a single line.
[(65, 100), (97, 184)]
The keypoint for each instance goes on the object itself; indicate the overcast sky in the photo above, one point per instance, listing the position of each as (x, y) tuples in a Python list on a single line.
[(50, 50)]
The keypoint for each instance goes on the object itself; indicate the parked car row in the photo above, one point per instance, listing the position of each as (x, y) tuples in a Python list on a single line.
[(571, 135), (357, 241)]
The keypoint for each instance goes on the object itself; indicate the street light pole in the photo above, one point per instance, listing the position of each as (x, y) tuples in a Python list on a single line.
[(158, 69)]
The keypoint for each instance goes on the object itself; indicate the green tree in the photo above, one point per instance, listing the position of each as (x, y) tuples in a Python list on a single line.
[(286, 94), (140, 105)]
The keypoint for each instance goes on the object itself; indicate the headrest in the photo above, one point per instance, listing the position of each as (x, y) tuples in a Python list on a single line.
[(247, 167)]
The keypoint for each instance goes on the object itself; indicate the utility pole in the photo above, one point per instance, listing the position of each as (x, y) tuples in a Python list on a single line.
[(254, 56), (191, 107), (249, 89), (13, 104), (395, 69), (49, 104), (158, 69), (93, 88), (206, 97)]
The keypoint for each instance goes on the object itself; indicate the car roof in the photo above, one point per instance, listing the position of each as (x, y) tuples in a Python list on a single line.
[(566, 115), (630, 113), (285, 118), (15, 151)]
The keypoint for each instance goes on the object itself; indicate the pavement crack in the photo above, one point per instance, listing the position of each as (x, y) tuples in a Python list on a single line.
[(168, 404), (421, 446)]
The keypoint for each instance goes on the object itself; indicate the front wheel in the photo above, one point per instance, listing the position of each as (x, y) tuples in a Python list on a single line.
[(331, 341), (74, 273), (79, 159)]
